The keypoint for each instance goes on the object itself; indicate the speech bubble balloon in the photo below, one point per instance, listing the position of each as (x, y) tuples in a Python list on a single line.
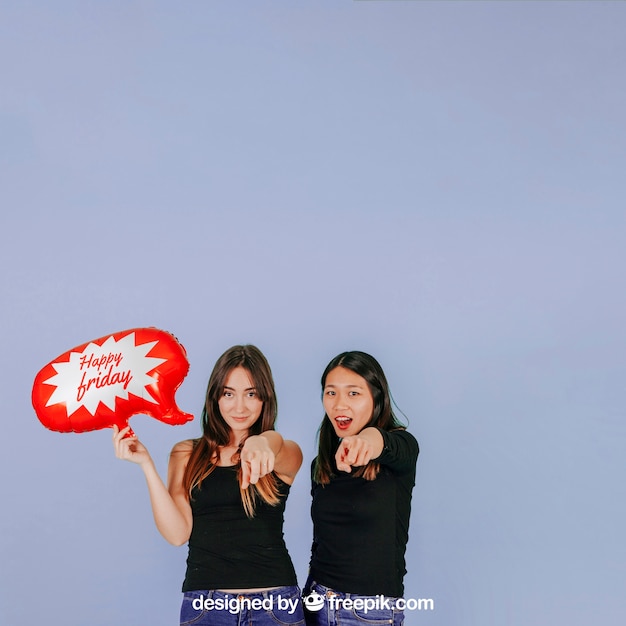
[(108, 380)]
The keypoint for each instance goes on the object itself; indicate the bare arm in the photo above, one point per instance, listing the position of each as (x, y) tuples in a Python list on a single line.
[(267, 452), (170, 505)]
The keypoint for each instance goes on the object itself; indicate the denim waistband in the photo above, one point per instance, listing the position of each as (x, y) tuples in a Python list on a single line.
[(265, 593)]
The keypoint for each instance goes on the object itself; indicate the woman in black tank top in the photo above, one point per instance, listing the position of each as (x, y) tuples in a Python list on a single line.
[(225, 496)]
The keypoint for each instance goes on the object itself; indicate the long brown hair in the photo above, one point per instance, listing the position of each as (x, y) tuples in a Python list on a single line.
[(383, 417), (216, 433)]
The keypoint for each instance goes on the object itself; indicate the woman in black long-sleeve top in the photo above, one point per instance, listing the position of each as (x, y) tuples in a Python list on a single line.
[(362, 479)]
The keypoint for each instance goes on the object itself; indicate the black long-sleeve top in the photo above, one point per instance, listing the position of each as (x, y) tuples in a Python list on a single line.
[(361, 527)]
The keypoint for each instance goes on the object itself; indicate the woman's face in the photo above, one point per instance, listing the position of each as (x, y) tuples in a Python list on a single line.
[(239, 403), (348, 401)]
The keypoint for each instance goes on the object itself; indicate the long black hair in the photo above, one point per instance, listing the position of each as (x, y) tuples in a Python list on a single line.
[(383, 416)]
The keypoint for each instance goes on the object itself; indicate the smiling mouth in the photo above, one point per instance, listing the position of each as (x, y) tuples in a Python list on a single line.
[(343, 422)]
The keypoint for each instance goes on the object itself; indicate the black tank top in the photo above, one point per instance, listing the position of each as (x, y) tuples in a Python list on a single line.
[(227, 549)]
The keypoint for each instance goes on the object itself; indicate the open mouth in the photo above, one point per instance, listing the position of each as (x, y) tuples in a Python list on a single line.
[(343, 422)]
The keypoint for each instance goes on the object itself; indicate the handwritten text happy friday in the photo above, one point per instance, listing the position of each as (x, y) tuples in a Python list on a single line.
[(107, 379)]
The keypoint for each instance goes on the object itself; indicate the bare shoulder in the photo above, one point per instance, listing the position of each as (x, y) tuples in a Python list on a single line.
[(181, 452), (293, 448), (183, 448), (179, 457)]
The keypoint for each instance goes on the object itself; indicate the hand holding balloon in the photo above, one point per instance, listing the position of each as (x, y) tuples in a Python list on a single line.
[(128, 447)]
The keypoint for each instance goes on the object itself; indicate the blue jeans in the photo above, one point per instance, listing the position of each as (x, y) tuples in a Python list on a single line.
[(274, 607), (327, 607)]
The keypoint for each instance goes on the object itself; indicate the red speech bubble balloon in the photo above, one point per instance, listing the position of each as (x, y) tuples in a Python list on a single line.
[(108, 380)]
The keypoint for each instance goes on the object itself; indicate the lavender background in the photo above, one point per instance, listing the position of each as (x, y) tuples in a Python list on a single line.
[(439, 184)]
